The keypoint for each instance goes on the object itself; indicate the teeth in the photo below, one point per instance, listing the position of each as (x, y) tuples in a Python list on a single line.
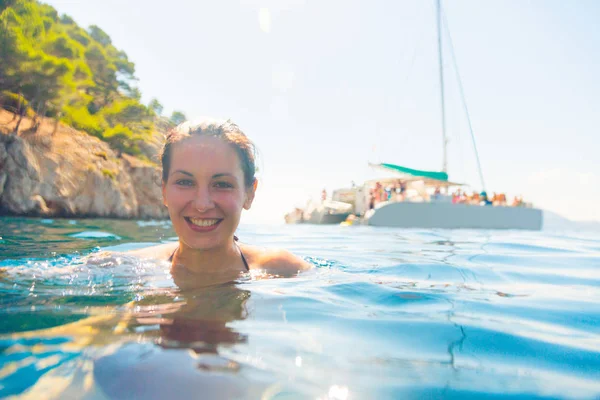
[(203, 222)]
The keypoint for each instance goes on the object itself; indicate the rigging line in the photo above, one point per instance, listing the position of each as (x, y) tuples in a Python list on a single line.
[(441, 70), (462, 97)]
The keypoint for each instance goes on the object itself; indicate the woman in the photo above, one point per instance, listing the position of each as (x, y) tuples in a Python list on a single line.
[(208, 179)]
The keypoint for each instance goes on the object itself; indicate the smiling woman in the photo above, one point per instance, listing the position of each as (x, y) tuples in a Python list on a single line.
[(208, 179)]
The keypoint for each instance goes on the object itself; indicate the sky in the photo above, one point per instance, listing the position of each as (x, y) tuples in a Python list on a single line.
[(325, 87)]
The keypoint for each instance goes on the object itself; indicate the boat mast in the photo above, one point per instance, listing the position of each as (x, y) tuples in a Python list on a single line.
[(464, 101), (441, 62)]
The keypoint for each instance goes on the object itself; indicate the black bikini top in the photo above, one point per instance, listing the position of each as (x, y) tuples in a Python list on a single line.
[(235, 238)]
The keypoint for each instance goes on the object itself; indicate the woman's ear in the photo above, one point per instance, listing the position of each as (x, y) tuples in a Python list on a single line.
[(250, 192)]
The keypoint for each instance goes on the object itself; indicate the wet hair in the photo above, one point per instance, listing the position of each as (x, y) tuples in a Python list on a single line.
[(227, 131)]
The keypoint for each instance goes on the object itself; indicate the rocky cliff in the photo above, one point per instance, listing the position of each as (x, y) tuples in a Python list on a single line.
[(65, 172)]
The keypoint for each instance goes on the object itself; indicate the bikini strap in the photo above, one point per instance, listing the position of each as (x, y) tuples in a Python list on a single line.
[(244, 259), (173, 253), (236, 239)]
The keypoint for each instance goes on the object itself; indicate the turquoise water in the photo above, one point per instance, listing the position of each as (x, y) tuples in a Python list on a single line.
[(387, 313)]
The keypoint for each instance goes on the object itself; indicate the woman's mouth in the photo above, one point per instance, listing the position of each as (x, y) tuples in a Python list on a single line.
[(203, 224)]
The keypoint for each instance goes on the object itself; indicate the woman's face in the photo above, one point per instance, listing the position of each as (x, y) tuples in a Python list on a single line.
[(205, 192)]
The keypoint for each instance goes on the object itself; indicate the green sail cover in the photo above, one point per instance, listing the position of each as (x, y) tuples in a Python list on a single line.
[(440, 176)]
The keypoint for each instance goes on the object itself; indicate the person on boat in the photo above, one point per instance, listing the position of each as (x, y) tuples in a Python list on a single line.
[(517, 201), (208, 178), (456, 196), (501, 199), (497, 199), (485, 201), (437, 194), (398, 192), (387, 193), (378, 192)]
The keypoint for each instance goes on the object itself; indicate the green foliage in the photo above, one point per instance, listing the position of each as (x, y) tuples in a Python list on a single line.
[(80, 118), (26, 14), (62, 46), (12, 101), (156, 107), (79, 35), (6, 3), (122, 139), (99, 35), (101, 154), (109, 174), (126, 111), (82, 73), (177, 117), (54, 67), (66, 20)]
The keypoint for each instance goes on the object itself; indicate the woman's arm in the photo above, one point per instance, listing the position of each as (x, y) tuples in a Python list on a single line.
[(283, 263)]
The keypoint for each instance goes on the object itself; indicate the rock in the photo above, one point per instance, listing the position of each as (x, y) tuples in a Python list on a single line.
[(146, 177), (3, 176), (22, 177), (70, 173), (40, 205)]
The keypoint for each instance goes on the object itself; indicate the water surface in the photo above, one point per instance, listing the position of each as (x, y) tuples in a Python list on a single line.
[(387, 313)]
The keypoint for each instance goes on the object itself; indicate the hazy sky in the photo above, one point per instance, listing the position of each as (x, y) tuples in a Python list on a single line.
[(324, 87)]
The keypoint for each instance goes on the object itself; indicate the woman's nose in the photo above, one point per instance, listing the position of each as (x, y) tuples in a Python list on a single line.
[(203, 200)]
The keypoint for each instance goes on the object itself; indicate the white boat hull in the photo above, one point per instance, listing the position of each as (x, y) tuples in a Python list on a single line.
[(454, 216)]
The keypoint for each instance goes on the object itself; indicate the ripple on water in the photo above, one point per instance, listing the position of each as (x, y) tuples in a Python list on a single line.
[(387, 313), (94, 235)]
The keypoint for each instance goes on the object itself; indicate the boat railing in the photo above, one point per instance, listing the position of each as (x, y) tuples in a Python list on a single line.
[(449, 199)]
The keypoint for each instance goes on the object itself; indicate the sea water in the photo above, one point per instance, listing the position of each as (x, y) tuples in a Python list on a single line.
[(386, 314)]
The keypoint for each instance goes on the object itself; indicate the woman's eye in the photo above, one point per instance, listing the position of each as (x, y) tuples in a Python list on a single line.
[(184, 182), (223, 185)]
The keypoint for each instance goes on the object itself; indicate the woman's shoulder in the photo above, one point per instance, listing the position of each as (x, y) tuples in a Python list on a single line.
[(159, 252), (274, 261)]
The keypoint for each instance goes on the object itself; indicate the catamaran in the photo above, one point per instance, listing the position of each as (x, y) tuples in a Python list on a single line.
[(412, 198)]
